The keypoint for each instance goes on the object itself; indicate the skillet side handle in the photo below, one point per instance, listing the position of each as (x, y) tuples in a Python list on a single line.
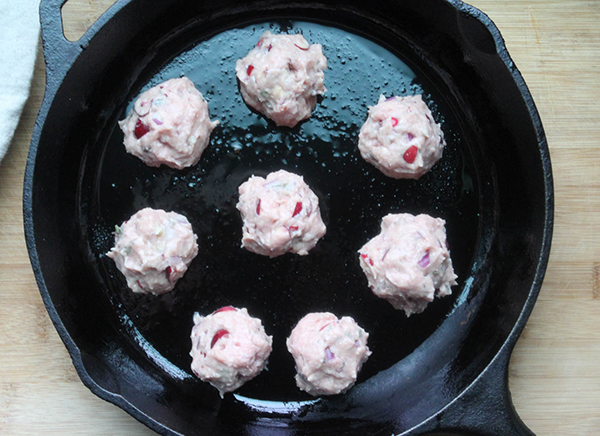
[(484, 409), (59, 52)]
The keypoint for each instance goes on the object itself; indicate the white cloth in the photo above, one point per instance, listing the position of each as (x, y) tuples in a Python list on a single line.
[(19, 35)]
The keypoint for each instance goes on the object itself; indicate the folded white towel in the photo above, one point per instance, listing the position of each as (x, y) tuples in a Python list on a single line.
[(19, 35)]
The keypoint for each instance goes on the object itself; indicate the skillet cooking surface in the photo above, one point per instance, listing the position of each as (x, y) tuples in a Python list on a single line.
[(353, 195), (492, 186)]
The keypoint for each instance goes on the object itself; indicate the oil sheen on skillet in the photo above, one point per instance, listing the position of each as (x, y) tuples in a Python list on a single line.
[(353, 196)]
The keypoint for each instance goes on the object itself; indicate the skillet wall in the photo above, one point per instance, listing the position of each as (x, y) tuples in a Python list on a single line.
[(457, 48)]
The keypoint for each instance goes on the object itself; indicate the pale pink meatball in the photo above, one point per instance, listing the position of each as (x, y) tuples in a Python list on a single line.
[(280, 214), (282, 76), (408, 263), (169, 124), (400, 137), (153, 250), (329, 352), (229, 347)]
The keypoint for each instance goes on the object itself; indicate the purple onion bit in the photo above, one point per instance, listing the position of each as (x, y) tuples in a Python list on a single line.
[(390, 98), (328, 354), (141, 107), (424, 262), (157, 121)]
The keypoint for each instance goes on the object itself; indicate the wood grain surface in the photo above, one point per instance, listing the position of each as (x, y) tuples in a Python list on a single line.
[(555, 369)]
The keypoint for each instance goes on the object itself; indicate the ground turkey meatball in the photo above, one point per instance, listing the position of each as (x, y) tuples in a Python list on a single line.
[(280, 213), (400, 137), (229, 347), (329, 352), (408, 263), (169, 124), (153, 250), (282, 76)]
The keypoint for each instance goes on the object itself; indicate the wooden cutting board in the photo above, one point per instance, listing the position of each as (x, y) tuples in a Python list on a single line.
[(555, 369)]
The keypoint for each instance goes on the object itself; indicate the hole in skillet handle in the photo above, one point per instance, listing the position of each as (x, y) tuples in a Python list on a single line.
[(59, 51), (78, 16)]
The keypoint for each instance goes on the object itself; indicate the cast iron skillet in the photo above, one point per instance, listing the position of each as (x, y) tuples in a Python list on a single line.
[(443, 371)]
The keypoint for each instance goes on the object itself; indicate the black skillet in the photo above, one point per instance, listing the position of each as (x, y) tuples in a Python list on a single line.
[(440, 372)]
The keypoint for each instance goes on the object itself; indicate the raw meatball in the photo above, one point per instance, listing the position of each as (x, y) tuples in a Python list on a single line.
[(282, 76), (169, 124), (153, 250), (280, 213), (408, 263), (400, 137), (329, 352), (229, 347)]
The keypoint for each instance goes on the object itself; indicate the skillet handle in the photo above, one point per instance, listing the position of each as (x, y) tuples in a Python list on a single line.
[(59, 52), (484, 409)]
